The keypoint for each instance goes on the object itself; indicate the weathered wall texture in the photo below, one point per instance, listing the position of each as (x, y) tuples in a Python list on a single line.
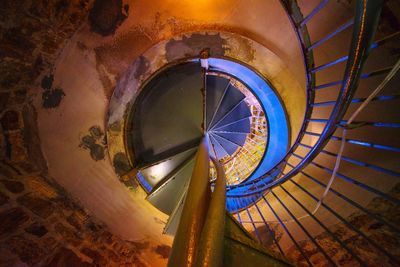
[(87, 70), (40, 223), (59, 63), (375, 230)]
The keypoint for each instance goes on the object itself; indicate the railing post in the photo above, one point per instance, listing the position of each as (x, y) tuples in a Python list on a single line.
[(211, 246), (194, 212)]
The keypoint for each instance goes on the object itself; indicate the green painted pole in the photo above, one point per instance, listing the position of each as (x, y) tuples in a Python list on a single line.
[(211, 247), (194, 212)]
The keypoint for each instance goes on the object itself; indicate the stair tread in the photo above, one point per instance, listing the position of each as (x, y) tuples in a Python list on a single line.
[(231, 99), (215, 89), (173, 221), (237, 138), (240, 126), (241, 111), (229, 147), (156, 173), (168, 196), (219, 150)]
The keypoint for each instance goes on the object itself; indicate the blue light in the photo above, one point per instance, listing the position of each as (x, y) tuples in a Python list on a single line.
[(278, 133)]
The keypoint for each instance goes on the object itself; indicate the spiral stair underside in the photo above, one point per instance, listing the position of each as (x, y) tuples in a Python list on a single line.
[(308, 146)]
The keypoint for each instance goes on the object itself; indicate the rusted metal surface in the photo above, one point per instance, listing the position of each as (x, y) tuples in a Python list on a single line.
[(194, 212), (240, 249), (211, 244)]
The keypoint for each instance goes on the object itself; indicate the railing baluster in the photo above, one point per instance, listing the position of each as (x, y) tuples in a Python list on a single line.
[(332, 34), (329, 64), (254, 226), (353, 203), (386, 39), (349, 225), (358, 100), (289, 234), (351, 180), (363, 76), (269, 231), (304, 229), (363, 123), (320, 6), (359, 142), (341, 59), (235, 200), (351, 252), (357, 162)]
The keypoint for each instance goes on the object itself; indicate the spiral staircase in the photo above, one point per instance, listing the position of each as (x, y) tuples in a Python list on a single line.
[(200, 140)]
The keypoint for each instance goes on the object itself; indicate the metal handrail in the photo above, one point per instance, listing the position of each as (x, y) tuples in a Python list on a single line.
[(296, 18), (365, 23)]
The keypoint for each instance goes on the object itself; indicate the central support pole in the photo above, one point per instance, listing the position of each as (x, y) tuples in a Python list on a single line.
[(194, 212), (211, 246)]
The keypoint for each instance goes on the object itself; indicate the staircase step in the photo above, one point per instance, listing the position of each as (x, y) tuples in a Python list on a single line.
[(239, 126), (237, 138), (218, 149), (167, 195), (231, 99), (216, 87), (156, 173), (173, 221), (229, 147), (241, 111)]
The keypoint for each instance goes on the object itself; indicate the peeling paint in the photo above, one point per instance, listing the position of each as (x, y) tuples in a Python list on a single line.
[(121, 164), (142, 67), (95, 142), (163, 251), (194, 44), (47, 82), (106, 16), (52, 98), (115, 127)]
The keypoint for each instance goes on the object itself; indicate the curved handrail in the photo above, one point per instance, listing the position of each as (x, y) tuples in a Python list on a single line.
[(365, 23), (296, 18)]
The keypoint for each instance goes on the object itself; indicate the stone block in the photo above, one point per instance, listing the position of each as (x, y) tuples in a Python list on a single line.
[(67, 234), (36, 229), (28, 251), (4, 100), (3, 199), (8, 259), (78, 220), (10, 120), (40, 187), (31, 137), (163, 251), (11, 220), (17, 152), (66, 258), (13, 186), (97, 258), (39, 206)]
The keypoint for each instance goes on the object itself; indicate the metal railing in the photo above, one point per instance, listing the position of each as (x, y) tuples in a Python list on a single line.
[(255, 196)]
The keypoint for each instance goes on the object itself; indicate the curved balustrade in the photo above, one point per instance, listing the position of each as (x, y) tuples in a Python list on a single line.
[(277, 198), (363, 32)]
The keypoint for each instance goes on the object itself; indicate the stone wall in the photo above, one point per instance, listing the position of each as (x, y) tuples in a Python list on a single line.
[(40, 224), (376, 231), (32, 34)]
